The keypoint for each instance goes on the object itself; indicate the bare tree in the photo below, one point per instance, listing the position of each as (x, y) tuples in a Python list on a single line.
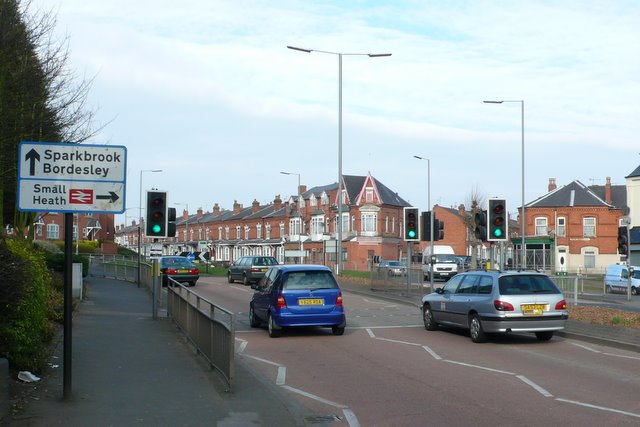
[(475, 200)]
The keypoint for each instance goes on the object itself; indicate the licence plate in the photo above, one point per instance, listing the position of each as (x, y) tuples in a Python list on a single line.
[(263, 269), (310, 301), (533, 309), (183, 271)]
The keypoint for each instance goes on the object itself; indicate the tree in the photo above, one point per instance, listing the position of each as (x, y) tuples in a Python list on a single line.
[(476, 200), (40, 98)]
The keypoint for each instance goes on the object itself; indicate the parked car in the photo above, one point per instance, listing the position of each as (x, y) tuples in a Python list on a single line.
[(250, 269), (616, 279), (392, 268), (297, 295), (497, 302), (180, 269)]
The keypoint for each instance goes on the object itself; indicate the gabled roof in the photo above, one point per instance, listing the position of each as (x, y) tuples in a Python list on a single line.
[(635, 173), (354, 184), (618, 194), (572, 194)]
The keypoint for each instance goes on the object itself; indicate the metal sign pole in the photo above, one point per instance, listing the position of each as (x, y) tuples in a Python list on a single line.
[(155, 292), (68, 307)]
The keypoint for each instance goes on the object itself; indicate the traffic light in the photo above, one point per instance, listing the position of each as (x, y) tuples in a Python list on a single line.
[(480, 225), (411, 227), (171, 222), (438, 229), (426, 226), (498, 220), (623, 240), (156, 221)]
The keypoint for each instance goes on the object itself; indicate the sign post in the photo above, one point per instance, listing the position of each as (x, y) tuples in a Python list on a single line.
[(71, 178)]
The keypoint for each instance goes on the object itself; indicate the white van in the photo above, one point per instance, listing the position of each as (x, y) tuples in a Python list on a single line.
[(446, 262), (616, 279)]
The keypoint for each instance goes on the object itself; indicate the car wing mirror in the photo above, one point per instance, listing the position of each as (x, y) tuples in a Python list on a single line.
[(439, 291)]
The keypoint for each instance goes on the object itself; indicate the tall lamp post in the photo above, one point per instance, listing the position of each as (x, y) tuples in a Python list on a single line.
[(430, 217), (186, 224), (523, 256), (299, 213), (140, 217), (339, 55)]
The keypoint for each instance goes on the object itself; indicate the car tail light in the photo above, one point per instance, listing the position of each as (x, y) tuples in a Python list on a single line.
[(171, 271), (256, 270), (502, 305), (339, 300), (280, 302), (561, 305), (194, 271)]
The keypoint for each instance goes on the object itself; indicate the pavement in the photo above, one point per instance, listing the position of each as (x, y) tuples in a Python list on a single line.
[(131, 370)]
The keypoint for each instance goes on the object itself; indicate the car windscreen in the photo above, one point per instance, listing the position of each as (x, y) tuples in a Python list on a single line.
[(446, 258), (395, 264), (176, 262), (310, 280), (522, 284), (265, 261)]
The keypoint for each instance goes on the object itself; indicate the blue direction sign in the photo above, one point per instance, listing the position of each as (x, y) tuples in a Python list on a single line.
[(191, 257), (61, 177)]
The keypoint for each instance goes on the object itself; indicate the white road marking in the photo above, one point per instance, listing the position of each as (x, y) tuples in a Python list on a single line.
[(469, 365), (602, 408), (386, 304), (282, 375), (535, 386), (351, 417), (623, 356), (259, 359), (314, 397), (432, 353), (585, 347)]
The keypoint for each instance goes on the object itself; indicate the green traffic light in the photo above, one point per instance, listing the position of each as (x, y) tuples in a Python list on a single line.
[(497, 232), (156, 228), (412, 234)]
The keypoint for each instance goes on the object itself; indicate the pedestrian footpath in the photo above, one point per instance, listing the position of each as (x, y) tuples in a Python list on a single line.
[(129, 369)]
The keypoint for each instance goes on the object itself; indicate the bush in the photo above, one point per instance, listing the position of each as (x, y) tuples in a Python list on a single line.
[(55, 261), (27, 302)]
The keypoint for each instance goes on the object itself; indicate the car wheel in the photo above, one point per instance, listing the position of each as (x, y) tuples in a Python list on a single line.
[(274, 331), (254, 322), (245, 279), (337, 330), (544, 335), (229, 278), (427, 317), (607, 289), (475, 329), (634, 290)]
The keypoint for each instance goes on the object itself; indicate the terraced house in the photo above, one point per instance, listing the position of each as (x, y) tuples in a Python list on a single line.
[(372, 216)]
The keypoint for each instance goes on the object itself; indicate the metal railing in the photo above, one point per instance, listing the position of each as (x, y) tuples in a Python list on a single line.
[(209, 327), (409, 284)]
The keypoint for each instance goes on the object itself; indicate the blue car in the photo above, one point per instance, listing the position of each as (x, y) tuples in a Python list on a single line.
[(297, 295)]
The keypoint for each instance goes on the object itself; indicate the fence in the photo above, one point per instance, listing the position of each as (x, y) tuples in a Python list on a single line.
[(411, 283), (210, 328)]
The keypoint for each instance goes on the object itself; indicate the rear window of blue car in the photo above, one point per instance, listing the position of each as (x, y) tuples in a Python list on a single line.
[(522, 284), (310, 280)]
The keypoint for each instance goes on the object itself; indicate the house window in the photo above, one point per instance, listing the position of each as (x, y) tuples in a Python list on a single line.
[(317, 225), (258, 231), (369, 195), (561, 226), (237, 232), (589, 227), (39, 230), (207, 233), (246, 232), (53, 231), (75, 232), (324, 199), (313, 201), (268, 231), (294, 226), (226, 232), (589, 259), (369, 222), (386, 224), (541, 227), (345, 222), (199, 233), (220, 233)]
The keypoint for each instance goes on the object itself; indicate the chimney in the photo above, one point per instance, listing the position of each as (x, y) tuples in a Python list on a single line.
[(277, 203), (236, 207), (607, 191), (255, 206), (216, 210), (552, 184), (303, 188), (199, 213), (185, 214), (461, 209)]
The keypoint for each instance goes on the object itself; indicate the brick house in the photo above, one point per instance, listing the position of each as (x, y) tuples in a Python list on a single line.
[(372, 218), (50, 226)]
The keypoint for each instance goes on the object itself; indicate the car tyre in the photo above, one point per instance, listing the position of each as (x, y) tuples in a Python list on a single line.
[(427, 317), (337, 330), (475, 330), (274, 330), (544, 335), (634, 290), (229, 278), (607, 289), (254, 322), (245, 280)]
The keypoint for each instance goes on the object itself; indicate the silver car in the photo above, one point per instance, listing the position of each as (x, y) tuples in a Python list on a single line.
[(487, 302)]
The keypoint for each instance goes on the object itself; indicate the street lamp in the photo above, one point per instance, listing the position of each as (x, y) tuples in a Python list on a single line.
[(186, 224), (299, 213), (140, 217), (339, 55), (523, 255), (430, 217)]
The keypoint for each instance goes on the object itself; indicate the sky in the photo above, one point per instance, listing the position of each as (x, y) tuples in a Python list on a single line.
[(207, 92)]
